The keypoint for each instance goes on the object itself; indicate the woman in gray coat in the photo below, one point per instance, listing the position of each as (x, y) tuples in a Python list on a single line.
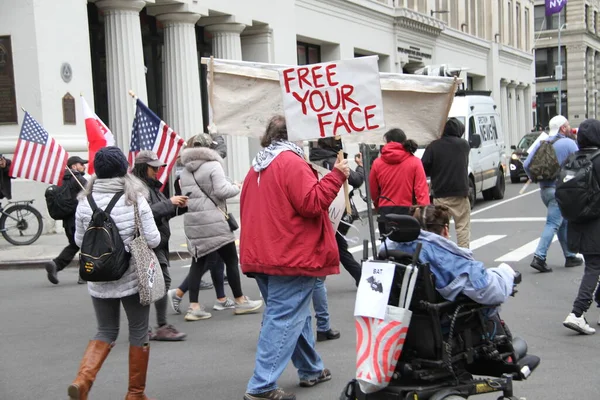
[(205, 225)]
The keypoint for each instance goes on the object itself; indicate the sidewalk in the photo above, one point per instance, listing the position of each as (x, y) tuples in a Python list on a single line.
[(49, 246)]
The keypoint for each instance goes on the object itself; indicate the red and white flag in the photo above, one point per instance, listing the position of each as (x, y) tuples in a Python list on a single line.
[(38, 156), (151, 133), (98, 134)]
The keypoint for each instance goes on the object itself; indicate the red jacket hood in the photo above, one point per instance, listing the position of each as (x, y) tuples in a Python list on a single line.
[(394, 153)]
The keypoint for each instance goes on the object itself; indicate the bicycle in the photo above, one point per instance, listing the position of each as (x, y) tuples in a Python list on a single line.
[(20, 223)]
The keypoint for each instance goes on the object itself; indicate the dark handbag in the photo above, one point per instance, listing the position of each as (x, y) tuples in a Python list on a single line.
[(233, 225)]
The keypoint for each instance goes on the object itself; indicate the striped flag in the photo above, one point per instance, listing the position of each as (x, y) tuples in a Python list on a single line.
[(151, 133), (98, 134), (38, 156)]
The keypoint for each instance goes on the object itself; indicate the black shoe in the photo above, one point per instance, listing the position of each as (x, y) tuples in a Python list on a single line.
[(80, 281), (573, 262), (328, 335), (276, 394), (540, 264), (52, 272), (205, 285), (324, 377)]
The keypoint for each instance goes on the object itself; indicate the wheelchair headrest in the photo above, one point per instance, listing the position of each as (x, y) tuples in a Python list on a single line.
[(402, 228)]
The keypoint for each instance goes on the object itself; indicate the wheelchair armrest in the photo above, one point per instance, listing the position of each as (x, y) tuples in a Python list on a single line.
[(460, 300)]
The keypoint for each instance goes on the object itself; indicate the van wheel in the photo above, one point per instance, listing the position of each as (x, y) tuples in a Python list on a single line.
[(472, 193), (497, 192)]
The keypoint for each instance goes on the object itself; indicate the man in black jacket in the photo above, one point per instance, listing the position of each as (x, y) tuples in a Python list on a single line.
[(584, 238), (325, 155), (74, 180), (446, 161), (5, 184)]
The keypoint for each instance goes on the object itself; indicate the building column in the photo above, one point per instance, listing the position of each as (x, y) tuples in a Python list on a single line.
[(513, 124), (596, 87), (527, 108), (591, 83), (520, 112), (504, 105), (227, 44), (575, 84), (124, 64), (181, 73), (257, 44)]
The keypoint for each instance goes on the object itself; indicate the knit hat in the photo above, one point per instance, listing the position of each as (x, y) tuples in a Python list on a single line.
[(203, 140), (110, 162)]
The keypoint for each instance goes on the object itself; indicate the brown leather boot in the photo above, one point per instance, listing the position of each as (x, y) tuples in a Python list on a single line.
[(138, 366), (92, 360)]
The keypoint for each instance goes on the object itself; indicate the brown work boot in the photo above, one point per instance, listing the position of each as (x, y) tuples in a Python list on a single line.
[(138, 366), (92, 360)]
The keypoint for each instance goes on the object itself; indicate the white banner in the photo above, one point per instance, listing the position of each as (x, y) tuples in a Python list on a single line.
[(337, 208), (245, 95), (332, 99), (374, 289)]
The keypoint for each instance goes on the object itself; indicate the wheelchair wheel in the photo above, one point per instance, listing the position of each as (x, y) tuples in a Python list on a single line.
[(453, 397)]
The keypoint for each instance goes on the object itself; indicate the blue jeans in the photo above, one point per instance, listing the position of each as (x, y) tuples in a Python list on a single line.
[(555, 225), (286, 332), (319, 299)]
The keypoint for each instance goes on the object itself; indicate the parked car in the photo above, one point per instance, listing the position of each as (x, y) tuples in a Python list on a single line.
[(519, 155)]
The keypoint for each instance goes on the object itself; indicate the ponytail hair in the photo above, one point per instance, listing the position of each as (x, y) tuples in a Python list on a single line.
[(431, 218), (397, 135)]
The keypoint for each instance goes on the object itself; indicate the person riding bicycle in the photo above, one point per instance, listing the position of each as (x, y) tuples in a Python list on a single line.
[(5, 178), (456, 271)]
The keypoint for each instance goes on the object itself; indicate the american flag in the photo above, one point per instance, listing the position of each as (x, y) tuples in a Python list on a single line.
[(38, 156), (151, 133)]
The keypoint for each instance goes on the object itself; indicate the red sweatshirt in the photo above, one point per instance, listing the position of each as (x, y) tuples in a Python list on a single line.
[(398, 175)]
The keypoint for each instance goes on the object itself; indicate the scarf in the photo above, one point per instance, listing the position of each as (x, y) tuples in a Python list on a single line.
[(265, 157)]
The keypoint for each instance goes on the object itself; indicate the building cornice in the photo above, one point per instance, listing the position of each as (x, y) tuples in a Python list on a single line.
[(351, 11), (515, 55), (413, 20)]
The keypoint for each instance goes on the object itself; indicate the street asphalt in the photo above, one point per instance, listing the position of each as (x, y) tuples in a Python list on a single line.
[(45, 327)]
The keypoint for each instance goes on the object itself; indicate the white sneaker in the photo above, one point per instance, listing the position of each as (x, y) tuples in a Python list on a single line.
[(248, 306), (578, 324), (224, 305)]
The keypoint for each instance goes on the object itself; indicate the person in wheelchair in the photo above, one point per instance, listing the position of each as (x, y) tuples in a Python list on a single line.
[(456, 271)]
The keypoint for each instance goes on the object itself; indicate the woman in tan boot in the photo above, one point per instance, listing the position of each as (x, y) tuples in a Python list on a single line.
[(111, 178)]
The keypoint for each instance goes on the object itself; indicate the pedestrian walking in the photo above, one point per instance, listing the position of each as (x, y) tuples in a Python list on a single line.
[(563, 143), (146, 167), (5, 178), (110, 180), (446, 161), (206, 226), (584, 237), (286, 243), (73, 183), (325, 155), (397, 180)]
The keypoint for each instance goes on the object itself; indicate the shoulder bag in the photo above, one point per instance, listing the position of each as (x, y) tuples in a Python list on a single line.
[(233, 225)]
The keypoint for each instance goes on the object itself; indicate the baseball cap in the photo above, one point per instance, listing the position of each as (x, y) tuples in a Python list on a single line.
[(150, 158), (76, 160), (555, 124)]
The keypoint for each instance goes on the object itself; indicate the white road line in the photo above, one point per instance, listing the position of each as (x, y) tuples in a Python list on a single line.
[(477, 243), (504, 202), (521, 252), (516, 219), (356, 249)]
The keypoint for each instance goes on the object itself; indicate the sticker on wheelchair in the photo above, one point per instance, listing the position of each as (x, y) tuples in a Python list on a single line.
[(374, 289)]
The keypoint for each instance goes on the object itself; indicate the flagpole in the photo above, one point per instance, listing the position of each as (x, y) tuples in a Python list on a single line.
[(559, 66)]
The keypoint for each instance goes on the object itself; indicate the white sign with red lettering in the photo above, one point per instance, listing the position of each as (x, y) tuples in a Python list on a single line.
[(332, 99)]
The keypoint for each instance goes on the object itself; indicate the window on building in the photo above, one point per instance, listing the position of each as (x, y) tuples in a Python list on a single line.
[(511, 27), (545, 61), (470, 83), (308, 53), (544, 23), (595, 22), (587, 12), (518, 19), (473, 28), (527, 31)]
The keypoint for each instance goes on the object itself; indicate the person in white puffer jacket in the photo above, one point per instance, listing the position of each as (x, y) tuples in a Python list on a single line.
[(112, 177)]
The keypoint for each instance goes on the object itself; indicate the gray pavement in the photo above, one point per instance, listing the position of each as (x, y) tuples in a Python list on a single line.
[(45, 328)]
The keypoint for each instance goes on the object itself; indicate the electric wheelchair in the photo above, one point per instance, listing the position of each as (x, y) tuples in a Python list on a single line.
[(453, 349)]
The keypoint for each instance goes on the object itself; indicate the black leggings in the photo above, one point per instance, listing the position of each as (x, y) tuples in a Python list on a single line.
[(199, 266)]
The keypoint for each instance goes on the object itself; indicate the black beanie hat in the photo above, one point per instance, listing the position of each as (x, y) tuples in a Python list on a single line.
[(110, 162)]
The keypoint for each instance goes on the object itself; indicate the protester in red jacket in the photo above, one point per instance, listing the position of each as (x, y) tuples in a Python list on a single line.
[(397, 180), (286, 242)]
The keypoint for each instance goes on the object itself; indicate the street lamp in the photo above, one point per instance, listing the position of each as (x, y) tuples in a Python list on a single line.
[(439, 12)]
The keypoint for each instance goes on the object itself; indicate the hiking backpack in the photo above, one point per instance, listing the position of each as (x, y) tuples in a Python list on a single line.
[(102, 255), (60, 201), (577, 188), (544, 165)]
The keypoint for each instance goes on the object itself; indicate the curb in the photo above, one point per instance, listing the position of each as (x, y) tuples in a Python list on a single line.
[(40, 263)]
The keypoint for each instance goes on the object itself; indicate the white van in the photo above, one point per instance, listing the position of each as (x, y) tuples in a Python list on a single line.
[(483, 130)]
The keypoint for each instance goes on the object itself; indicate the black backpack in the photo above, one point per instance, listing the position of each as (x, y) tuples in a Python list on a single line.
[(60, 201), (102, 255), (577, 188), (544, 165)]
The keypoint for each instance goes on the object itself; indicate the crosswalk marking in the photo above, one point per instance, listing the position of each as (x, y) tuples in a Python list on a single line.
[(522, 252), (477, 243), (356, 249)]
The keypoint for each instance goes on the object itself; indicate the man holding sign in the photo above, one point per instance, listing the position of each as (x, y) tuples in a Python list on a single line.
[(286, 243)]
